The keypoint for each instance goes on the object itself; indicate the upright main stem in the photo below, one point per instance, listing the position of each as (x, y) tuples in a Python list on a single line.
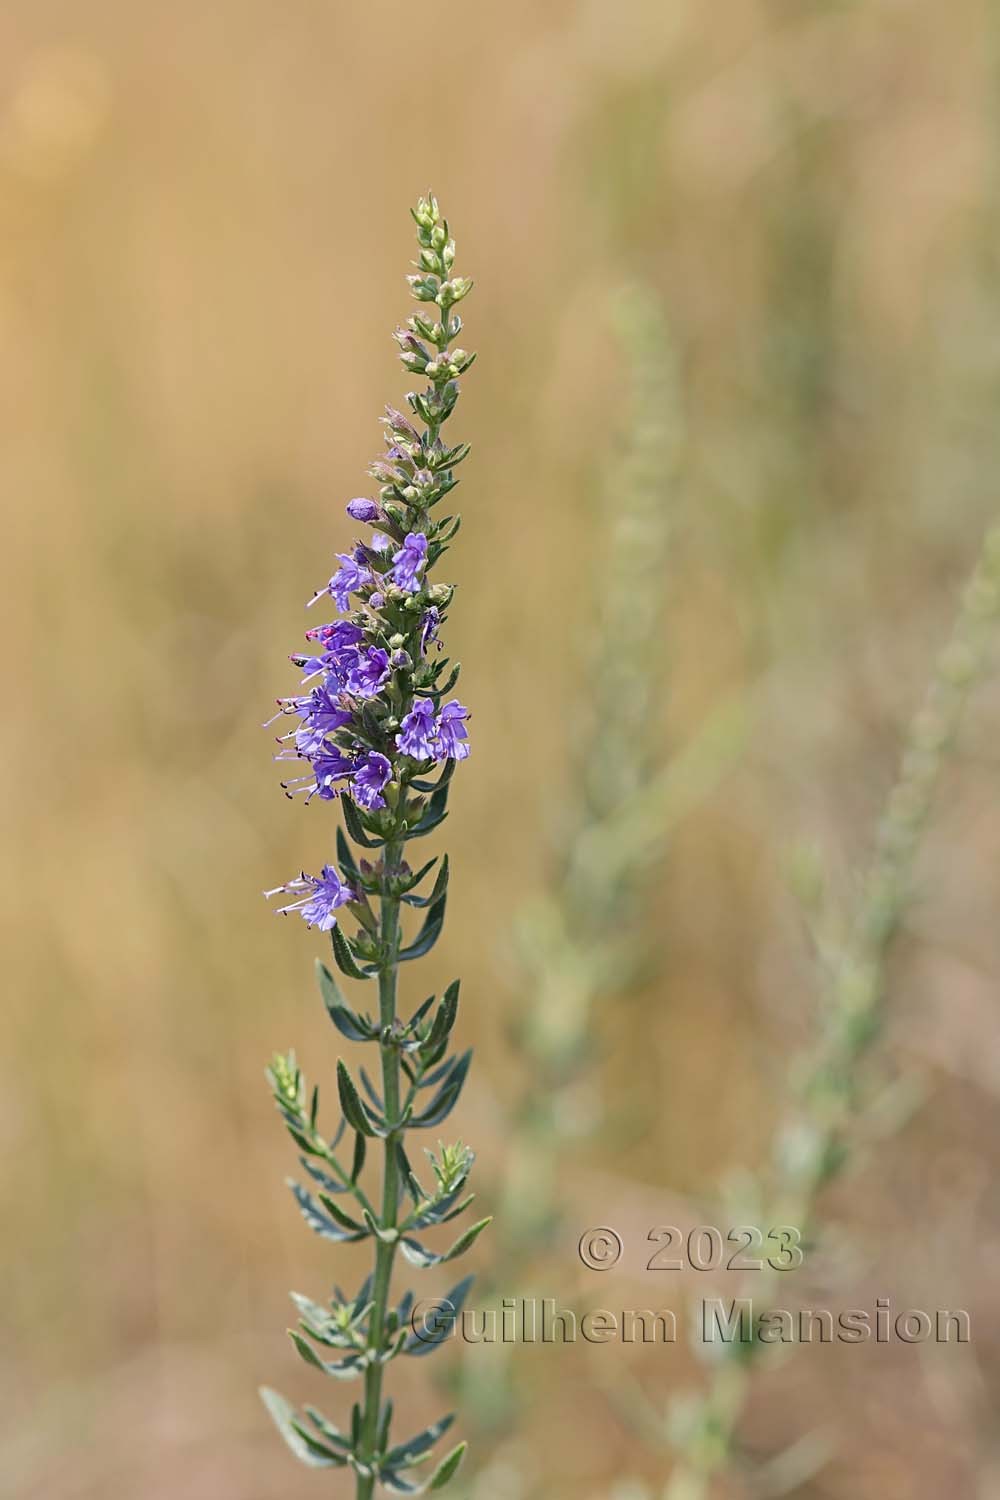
[(384, 1253)]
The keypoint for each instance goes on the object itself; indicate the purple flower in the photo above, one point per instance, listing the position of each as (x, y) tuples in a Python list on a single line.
[(339, 654), (318, 896), (368, 780), (451, 732), (371, 671), (396, 422), (408, 561), (338, 666), (337, 635), (350, 577), (416, 735), (429, 628), (362, 509), (380, 542), (321, 715), (328, 765)]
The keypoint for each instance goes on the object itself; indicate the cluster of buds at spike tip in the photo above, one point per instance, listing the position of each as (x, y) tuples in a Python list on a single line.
[(373, 715)]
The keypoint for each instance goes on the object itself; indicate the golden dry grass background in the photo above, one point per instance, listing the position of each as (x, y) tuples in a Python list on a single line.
[(203, 232)]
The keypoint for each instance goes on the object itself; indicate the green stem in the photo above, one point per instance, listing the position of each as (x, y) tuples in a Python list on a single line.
[(384, 1254)]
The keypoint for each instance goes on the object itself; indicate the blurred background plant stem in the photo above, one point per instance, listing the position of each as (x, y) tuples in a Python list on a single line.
[(813, 1145)]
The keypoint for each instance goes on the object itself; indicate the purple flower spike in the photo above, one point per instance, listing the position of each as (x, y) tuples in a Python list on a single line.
[(372, 670), (368, 781), (362, 509), (318, 897), (452, 736), (416, 735), (409, 560)]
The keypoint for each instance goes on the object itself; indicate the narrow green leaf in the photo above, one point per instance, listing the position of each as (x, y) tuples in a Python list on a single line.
[(424, 869), (326, 1428), (320, 1450), (440, 1109), (419, 1013), (336, 1212), (329, 988), (465, 1240), (355, 1027), (327, 1183), (419, 1345), (393, 1481), (417, 1255), (429, 932), (385, 1422), (444, 1018), (413, 1187), (347, 864), (405, 1453), (305, 1349), (282, 1414), (360, 1149), (318, 1222), (453, 677), (446, 1469), (438, 890), (350, 1102), (346, 962), (427, 824), (355, 827)]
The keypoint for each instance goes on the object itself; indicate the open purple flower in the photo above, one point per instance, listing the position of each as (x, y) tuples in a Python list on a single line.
[(452, 736), (337, 635), (416, 736), (408, 561), (328, 766), (366, 678), (339, 650), (321, 715), (318, 897), (321, 711), (351, 576), (369, 780)]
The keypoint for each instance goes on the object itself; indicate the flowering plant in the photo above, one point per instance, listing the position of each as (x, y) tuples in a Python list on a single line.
[(377, 731)]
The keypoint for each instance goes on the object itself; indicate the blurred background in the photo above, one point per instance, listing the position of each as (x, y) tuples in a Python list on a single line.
[(204, 235)]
